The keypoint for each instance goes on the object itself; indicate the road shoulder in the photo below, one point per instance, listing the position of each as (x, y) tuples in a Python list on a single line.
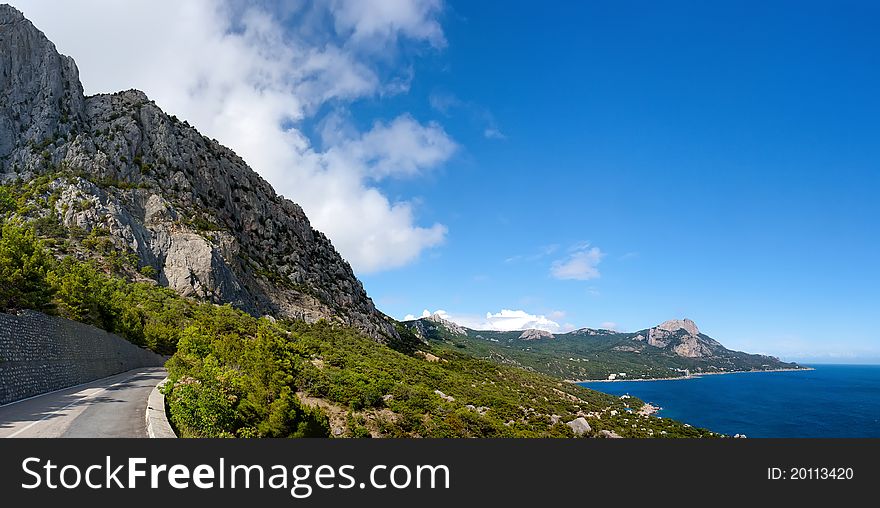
[(158, 426)]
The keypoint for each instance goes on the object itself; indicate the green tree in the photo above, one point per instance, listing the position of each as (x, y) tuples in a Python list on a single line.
[(7, 201), (24, 263), (78, 289)]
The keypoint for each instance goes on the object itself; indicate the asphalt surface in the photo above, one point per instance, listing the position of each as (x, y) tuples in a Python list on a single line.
[(110, 407)]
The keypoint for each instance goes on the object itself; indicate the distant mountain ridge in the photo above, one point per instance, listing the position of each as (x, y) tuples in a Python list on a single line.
[(671, 349)]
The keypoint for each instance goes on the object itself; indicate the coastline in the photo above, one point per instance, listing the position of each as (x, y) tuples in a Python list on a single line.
[(682, 378)]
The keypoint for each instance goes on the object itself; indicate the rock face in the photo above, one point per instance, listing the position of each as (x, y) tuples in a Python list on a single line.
[(40, 92), (427, 327), (679, 324), (452, 327), (593, 332), (682, 337), (691, 347), (189, 208), (579, 425), (536, 335)]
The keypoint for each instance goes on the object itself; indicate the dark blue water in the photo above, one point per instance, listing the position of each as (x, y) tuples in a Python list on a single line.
[(831, 401)]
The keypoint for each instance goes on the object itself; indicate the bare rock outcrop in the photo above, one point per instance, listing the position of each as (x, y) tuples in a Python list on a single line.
[(534, 334), (661, 335), (41, 96), (452, 327), (580, 426), (682, 338), (679, 324), (691, 347)]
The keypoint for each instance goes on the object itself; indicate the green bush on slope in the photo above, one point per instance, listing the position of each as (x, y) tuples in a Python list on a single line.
[(231, 376), (24, 267), (31, 278)]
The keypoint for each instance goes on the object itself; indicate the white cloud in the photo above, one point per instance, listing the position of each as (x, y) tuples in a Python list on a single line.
[(444, 102), (543, 251), (250, 76), (504, 321), (380, 21), (493, 133), (426, 313), (410, 317), (608, 325), (401, 148), (520, 320), (582, 263)]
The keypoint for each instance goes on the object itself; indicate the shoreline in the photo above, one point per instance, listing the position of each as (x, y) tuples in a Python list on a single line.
[(683, 378)]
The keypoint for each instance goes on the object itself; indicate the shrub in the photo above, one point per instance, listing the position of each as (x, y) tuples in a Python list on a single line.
[(24, 263)]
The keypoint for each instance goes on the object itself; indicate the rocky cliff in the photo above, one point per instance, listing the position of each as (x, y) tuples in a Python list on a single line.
[(681, 337), (428, 326), (190, 212), (533, 334)]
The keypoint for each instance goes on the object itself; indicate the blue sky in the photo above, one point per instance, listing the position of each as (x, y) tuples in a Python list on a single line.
[(724, 159), (597, 163)]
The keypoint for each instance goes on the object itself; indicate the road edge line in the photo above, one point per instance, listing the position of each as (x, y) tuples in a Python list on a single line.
[(157, 421)]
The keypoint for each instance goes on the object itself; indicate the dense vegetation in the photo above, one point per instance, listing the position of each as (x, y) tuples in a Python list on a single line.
[(448, 396), (236, 375), (31, 278), (233, 376)]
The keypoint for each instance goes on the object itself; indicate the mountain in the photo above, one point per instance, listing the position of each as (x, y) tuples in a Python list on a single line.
[(423, 328), (117, 171), (671, 349)]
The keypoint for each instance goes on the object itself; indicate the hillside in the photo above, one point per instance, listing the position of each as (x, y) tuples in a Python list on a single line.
[(235, 375), (672, 349)]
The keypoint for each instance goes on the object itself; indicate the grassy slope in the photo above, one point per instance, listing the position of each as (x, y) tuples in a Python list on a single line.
[(354, 372)]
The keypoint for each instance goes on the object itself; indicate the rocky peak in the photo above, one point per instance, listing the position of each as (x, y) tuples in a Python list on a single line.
[(41, 98), (534, 334), (690, 344), (189, 208), (593, 331), (680, 324), (9, 14), (452, 327), (585, 331)]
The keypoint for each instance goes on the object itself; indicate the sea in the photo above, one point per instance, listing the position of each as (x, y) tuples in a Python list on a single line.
[(830, 401)]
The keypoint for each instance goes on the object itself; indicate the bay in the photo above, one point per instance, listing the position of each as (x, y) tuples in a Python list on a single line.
[(830, 401)]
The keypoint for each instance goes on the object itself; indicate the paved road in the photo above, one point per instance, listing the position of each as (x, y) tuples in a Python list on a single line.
[(109, 407)]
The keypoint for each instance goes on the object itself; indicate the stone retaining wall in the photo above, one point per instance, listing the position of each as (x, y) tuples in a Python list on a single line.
[(40, 353)]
